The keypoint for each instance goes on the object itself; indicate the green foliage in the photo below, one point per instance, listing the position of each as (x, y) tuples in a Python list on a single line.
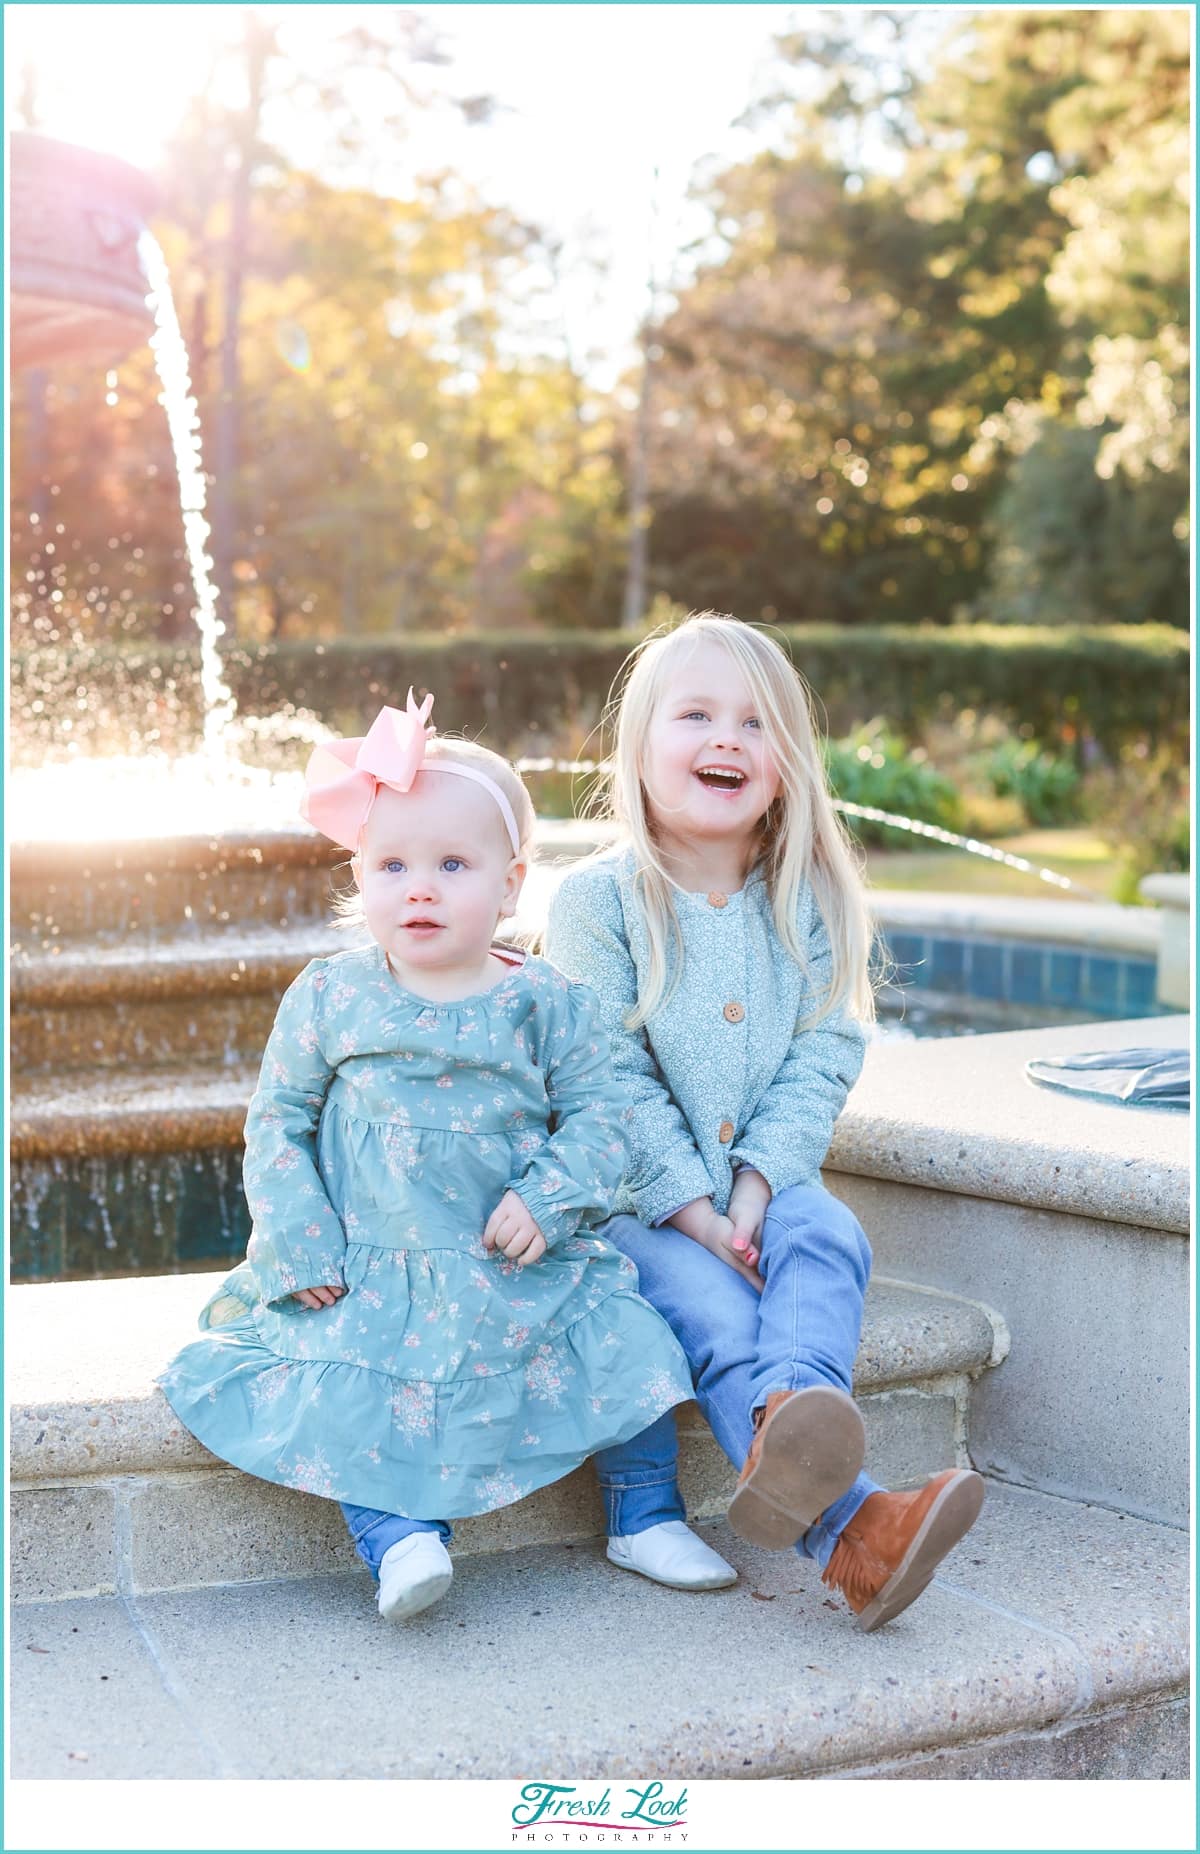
[(1073, 546), (1143, 806), (414, 446), (525, 690), (849, 381), (1046, 785), (873, 766)]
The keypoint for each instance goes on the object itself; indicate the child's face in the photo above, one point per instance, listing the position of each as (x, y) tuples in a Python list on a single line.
[(437, 872), (708, 774)]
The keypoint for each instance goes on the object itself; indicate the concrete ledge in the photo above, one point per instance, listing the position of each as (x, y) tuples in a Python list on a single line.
[(1173, 894), (138, 1533), (1151, 1741), (82, 1357), (1100, 925), (1094, 1401), (958, 1114), (1048, 1617)]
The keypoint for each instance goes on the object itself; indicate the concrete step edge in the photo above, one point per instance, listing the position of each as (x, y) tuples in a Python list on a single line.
[(100, 1412), (1049, 1617), (236, 960), (197, 1527), (98, 1111)]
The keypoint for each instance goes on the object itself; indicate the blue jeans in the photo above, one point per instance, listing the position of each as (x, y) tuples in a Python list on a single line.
[(802, 1330), (637, 1479), (373, 1532)]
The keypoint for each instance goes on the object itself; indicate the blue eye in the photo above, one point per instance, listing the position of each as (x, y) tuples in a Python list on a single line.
[(754, 722), (697, 714), (451, 864), (393, 866)]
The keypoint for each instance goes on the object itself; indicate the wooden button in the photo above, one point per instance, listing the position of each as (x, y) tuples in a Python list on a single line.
[(734, 1013), (725, 1132), (718, 900)]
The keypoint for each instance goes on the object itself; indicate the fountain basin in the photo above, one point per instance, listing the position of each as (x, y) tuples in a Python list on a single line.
[(147, 973), (78, 289)]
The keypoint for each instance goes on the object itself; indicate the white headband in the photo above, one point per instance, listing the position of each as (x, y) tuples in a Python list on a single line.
[(460, 772)]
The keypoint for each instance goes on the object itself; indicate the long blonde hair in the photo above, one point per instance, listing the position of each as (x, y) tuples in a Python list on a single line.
[(803, 842)]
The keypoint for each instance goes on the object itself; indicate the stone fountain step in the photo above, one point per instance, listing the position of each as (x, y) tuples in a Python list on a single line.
[(119, 1170), (127, 1169), (165, 887), (162, 999), (168, 885), (1054, 1644), (107, 1112), (111, 1492), (183, 998)]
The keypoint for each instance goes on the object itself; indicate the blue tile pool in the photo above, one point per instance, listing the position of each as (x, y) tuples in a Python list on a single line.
[(946, 984)]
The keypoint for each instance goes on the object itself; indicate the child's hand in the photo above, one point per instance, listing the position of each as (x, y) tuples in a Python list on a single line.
[(748, 1203), (318, 1297), (719, 1238), (512, 1231)]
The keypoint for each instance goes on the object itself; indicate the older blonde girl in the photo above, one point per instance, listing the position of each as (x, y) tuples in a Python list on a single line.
[(728, 937)]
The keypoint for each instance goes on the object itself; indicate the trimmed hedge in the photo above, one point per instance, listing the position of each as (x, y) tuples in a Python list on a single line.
[(1118, 683)]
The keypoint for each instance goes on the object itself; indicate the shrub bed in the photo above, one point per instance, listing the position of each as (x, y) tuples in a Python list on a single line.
[(1115, 684)]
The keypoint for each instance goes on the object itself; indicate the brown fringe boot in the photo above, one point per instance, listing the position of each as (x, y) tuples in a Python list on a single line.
[(891, 1548)]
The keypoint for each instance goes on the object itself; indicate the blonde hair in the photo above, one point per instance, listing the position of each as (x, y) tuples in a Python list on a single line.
[(347, 903), (803, 842)]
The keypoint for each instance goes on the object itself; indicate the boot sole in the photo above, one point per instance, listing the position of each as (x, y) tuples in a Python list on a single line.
[(811, 1451), (418, 1596), (948, 1520)]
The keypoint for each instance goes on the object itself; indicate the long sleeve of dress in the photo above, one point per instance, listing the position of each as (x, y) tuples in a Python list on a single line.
[(574, 1177), (297, 1240), (585, 939), (787, 1136)]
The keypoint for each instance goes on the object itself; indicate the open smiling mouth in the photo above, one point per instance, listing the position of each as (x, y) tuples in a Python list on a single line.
[(721, 779)]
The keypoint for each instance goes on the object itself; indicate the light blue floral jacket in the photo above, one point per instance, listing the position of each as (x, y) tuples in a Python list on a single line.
[(720, 1077)]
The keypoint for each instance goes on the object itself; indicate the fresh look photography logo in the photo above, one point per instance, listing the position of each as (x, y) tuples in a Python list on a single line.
[(566, 1813)]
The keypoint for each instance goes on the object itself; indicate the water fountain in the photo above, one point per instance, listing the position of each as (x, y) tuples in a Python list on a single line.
[(161, 906), (119, 1032)]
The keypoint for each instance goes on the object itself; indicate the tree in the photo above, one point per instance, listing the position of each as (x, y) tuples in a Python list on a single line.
[(1119, 283), (890, 285)]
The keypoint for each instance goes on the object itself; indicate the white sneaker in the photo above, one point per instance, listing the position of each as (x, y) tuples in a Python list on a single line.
[(671, 1554), (413, 1574)]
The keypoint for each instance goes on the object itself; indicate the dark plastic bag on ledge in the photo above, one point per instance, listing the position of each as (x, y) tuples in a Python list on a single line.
[(1143, 1077)]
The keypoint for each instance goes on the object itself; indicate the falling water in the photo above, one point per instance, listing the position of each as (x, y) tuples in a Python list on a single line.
[(952, 838), (183, 419), (224, 729), (223, 787)]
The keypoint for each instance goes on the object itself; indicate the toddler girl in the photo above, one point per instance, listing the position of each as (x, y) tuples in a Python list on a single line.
[(426, 1324), (728, 938)]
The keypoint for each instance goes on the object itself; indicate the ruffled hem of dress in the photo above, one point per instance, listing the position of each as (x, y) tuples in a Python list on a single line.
[(330, 1428), (430, 1277)]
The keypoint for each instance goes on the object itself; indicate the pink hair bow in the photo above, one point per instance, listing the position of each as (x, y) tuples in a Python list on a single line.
[(343, 777)]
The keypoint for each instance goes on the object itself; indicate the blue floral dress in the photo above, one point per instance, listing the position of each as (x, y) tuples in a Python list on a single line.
[(383, 1133)]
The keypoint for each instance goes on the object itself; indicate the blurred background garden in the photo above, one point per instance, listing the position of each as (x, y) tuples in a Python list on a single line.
[(882, 341)]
